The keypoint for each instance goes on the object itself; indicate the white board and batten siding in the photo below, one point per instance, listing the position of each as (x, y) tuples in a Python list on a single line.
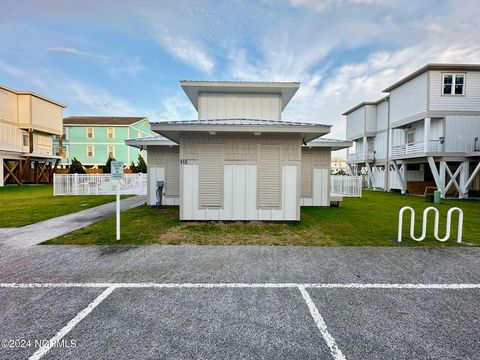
[(239, 195), (315, 177), (239, 106), (163, 165), (409, 99), (240, 177)]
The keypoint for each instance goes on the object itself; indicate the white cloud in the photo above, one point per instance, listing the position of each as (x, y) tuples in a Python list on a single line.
[(188, 51), (115, 66), (322, 5), (94, 100), (174, 107), (15, 72), (78, 52), (327, 89)]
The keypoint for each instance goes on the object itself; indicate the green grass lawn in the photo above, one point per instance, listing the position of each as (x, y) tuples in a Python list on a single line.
[(371, 220), (23, 205)]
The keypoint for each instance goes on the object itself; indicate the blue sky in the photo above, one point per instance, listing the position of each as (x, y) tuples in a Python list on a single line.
[(126, 57)]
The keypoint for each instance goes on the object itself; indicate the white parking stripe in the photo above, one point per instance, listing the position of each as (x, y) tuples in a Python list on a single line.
[(459, 286), (394, 286), (71, 324), (317, 317)]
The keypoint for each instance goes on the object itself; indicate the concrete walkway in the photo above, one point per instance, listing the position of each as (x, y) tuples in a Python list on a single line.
[(39, 232)]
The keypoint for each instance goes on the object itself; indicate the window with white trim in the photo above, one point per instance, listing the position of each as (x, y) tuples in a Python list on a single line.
[(453, 84), (140, 135), (90, 150), (110, 133), (89, 133), (410, 137), (111, 151)]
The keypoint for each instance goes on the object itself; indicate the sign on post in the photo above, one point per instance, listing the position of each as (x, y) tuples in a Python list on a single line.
[(116, 170)]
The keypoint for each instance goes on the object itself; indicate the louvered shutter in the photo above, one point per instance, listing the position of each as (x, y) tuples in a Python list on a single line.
[(172, 176), (269, 177), (211, 176), (307, 175)]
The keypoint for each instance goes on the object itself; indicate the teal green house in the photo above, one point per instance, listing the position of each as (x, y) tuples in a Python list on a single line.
[(92, 139)]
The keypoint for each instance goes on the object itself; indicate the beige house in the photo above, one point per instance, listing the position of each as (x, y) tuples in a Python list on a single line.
[(28, 122), (239, 160)]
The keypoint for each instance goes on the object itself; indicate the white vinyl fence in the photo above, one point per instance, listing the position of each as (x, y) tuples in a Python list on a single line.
[(98, 184), (346, 186)]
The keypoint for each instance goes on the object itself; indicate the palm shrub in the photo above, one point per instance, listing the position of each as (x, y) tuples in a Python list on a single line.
[(107, 168), (76, 167), (141, 165)]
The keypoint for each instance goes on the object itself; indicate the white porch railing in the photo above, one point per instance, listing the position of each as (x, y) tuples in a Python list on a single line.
[(415, 148), (347, 186), (98, 184), (360, 156)]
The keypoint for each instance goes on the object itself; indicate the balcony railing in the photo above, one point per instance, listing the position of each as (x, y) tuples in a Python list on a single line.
[(416, 148), (360, 156), (40, 149)]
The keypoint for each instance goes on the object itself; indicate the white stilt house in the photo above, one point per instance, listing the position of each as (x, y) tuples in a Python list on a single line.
[(239, 160), (423, 135)]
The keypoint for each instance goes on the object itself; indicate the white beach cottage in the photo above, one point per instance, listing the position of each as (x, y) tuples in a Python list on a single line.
[(239, 160)]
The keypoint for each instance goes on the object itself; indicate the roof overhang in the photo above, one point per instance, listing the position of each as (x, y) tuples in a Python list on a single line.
[(31, 93), (358, 106), (333, 144), (285, 89), (172, 131), (144, 143)]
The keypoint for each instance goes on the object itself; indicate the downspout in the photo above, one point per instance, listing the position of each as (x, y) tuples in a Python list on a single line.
[(387, 164)]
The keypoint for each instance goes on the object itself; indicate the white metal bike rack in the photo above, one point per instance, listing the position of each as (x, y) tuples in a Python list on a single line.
[(424, 223)]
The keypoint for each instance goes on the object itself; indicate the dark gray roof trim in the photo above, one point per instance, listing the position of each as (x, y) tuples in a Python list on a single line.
[(356, 107)]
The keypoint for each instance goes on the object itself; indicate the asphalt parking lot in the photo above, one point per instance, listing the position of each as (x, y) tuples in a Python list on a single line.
[(129, 314)]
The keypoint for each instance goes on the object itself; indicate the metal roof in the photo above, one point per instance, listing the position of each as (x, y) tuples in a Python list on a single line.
[(446, 67), (327, 140), (102, 120), (335, 144), (172, 129), (240, 122), (150, 140), (240, 82)]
